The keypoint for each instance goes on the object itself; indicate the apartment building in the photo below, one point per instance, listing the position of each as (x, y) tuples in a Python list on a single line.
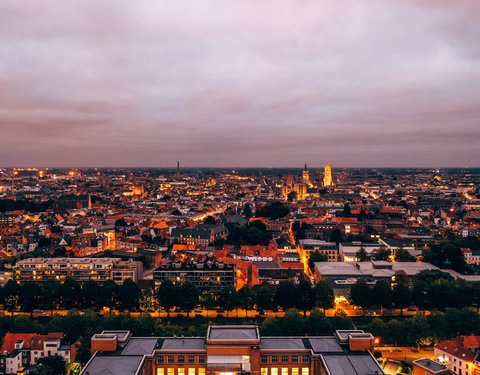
[(79, 269)]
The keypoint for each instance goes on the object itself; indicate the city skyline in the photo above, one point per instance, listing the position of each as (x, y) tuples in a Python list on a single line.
[(239, 84)]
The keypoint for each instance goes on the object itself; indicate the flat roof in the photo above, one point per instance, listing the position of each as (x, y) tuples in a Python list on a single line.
[(140, 346), (352, 364), (233, 333), (325, 345), (430, 365), (115, 365), (292, 343), (181, 343)]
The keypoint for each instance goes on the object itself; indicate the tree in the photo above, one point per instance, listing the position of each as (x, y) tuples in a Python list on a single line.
[(264, 298), (382, 294), (10, 296), (362, 255), (336, 236), (317, 324), (29, 296), (285, 295), (347, 212), (403, 255), (247, 211), (208, 301), (55, 365), (292, 196), (316, 257), (378, 328), (120, 223), (128, 295), (324, 296), (91, 295), (305, 296), (50, 294), (188, 296), (361, 294), (69, 291), (401, 296), (228, 298), (246, 298), (209, 220), (274, 210), (382, 253), (167, 295)]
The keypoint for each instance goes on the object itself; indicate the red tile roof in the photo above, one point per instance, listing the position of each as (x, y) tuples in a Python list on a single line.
[(454, 348)]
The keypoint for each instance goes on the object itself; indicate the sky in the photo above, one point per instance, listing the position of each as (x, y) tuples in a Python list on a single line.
[(270, 83)]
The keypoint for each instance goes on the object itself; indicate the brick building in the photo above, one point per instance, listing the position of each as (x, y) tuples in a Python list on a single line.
[(233, 350)]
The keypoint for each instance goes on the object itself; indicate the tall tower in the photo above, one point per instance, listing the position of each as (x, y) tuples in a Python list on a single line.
[(178, 168), (306, 176), (327, 178)]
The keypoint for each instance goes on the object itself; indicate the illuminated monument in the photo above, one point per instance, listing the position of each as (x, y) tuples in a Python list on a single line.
[(327, 178), (306, 176)]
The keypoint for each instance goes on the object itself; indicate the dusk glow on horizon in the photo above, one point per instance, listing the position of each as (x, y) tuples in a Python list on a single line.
[(239, 83)]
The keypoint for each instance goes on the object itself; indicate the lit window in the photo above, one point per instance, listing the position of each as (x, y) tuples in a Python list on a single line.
[(264, 371), (201, 371), (191, 371), (181, 371), (304, 370), (274, 371), (160, 371), (171, 371), (294, 370), (284, 370)]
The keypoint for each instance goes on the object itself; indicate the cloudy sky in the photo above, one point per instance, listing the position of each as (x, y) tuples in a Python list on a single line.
[(239, 83)]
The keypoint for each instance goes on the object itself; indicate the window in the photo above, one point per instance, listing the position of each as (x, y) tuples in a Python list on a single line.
[(181, 371), (294, 370), (264, 371), (294, 358), (170, 371), (191, 371), (304, 370), (274, 359), (170, 359), (181, 359), (191, 359), (284, 358), (305, 359), (201, 371), (160, 371), (263, 359), (202, 359), (273, 371), (160, 360), (284, 370)]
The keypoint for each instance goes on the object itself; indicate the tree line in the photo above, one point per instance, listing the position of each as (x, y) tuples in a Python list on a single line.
[(426, 330), (433, 289), (286, 295), (70, 294)]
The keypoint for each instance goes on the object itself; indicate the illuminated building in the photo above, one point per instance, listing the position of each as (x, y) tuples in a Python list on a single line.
[(290, 181), (233, 350), (306, 176), (459, 355), (327, 178), (79, 269), (209, 275)]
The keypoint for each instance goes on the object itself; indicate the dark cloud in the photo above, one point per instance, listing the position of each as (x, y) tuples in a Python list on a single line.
[(239, 83)]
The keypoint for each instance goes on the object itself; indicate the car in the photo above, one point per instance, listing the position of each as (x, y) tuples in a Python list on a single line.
[(261, 313), (180, 316), (198, 316), (220, 316)]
